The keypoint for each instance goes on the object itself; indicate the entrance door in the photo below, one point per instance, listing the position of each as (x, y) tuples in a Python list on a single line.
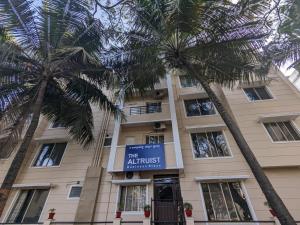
[(167, 202)]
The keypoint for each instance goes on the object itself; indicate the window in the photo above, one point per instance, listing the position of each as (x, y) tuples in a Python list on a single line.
[(199, 107), (57, 125), (154, 139), (282, 131), (187, 81), (107, 141), (75, 191), (28, 206), (257, 93), (209, 144), (50, 155), (133, 198), (225, 201)]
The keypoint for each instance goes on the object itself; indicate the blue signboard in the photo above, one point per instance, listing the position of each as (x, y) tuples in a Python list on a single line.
[(144, 157)]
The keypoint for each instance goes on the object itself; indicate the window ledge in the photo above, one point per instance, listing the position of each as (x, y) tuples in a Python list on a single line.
[(206, 128), (277, 117), (31, 186), (131, 181), (188, 96), (221, 178)]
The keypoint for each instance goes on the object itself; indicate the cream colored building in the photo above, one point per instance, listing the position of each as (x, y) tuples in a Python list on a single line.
[(203, 165)]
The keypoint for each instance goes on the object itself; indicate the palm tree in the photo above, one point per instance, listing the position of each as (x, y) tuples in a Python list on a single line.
[(285, 48), (212, 42), (50, 66)]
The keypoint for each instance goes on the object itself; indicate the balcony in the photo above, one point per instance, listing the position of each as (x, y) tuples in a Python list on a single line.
[(170, 157), (147, 113)]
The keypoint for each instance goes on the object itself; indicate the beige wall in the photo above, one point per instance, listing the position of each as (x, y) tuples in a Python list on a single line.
[(280, 160)]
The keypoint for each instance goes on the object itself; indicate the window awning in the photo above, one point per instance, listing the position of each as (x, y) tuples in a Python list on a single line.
[(131, 181), (256, 83), (208, 128), (221, 178), (47, 139), (277, 117), (34, 186)]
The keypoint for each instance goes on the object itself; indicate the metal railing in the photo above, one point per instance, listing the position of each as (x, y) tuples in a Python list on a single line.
[(138, 110)]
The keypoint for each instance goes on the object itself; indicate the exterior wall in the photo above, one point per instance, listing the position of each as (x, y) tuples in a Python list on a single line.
[(280, 161)]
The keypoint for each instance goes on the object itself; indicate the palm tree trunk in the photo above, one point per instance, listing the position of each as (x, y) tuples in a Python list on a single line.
[(20, 155), (272, 197)]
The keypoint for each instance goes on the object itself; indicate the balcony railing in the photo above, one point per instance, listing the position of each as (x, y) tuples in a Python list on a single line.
[(170, 157), (147, 113), (137, 110)]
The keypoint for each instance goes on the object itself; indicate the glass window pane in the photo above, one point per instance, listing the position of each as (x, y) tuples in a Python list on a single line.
[(36, 206), (271, 132), (208, 204), (212, 144), (240, 202), (17, 213), (279, 134), (207, 107), (57, 154), (286, 132), (218, 202), (292, 130), (75, 192), (122, 202), (221, 144), (251, 94), (231, 208), (263, 93), (192, 108), (201, 147), (133, 198), (44, 155)]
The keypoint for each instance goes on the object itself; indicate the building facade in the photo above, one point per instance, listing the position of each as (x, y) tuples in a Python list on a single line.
[(172, 148)]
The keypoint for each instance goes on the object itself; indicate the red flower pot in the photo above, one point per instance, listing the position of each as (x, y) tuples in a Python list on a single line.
[(118, 214), (147, 213), (188, 213), (51, 216), (273, 212)]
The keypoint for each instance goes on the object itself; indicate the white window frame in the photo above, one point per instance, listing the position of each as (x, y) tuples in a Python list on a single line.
[(247, 198), (260, 100), (38, 149), (119, 195), (211, 158), (69, 192), (154, 135), (15, 198), (200, 116), (281, 142)]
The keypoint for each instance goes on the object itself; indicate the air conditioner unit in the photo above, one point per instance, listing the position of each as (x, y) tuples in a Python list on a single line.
[(132, 175), (159, 94), (159, 126)]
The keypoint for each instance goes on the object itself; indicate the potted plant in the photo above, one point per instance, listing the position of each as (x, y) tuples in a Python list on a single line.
[(188, 209), (51, 214), (119, 210), (272, 211), (147, 211)]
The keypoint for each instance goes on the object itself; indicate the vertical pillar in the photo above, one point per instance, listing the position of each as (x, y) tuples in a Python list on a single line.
[(175, 131)]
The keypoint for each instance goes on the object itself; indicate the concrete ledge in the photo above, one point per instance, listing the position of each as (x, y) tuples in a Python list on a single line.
[(207, 128), (131, 181), (277, 117), (221, 178)]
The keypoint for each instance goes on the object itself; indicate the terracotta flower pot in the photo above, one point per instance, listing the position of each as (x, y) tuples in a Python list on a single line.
[(118, 214), (51, 216), (147, 213), (273, 212), (188, 212)]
